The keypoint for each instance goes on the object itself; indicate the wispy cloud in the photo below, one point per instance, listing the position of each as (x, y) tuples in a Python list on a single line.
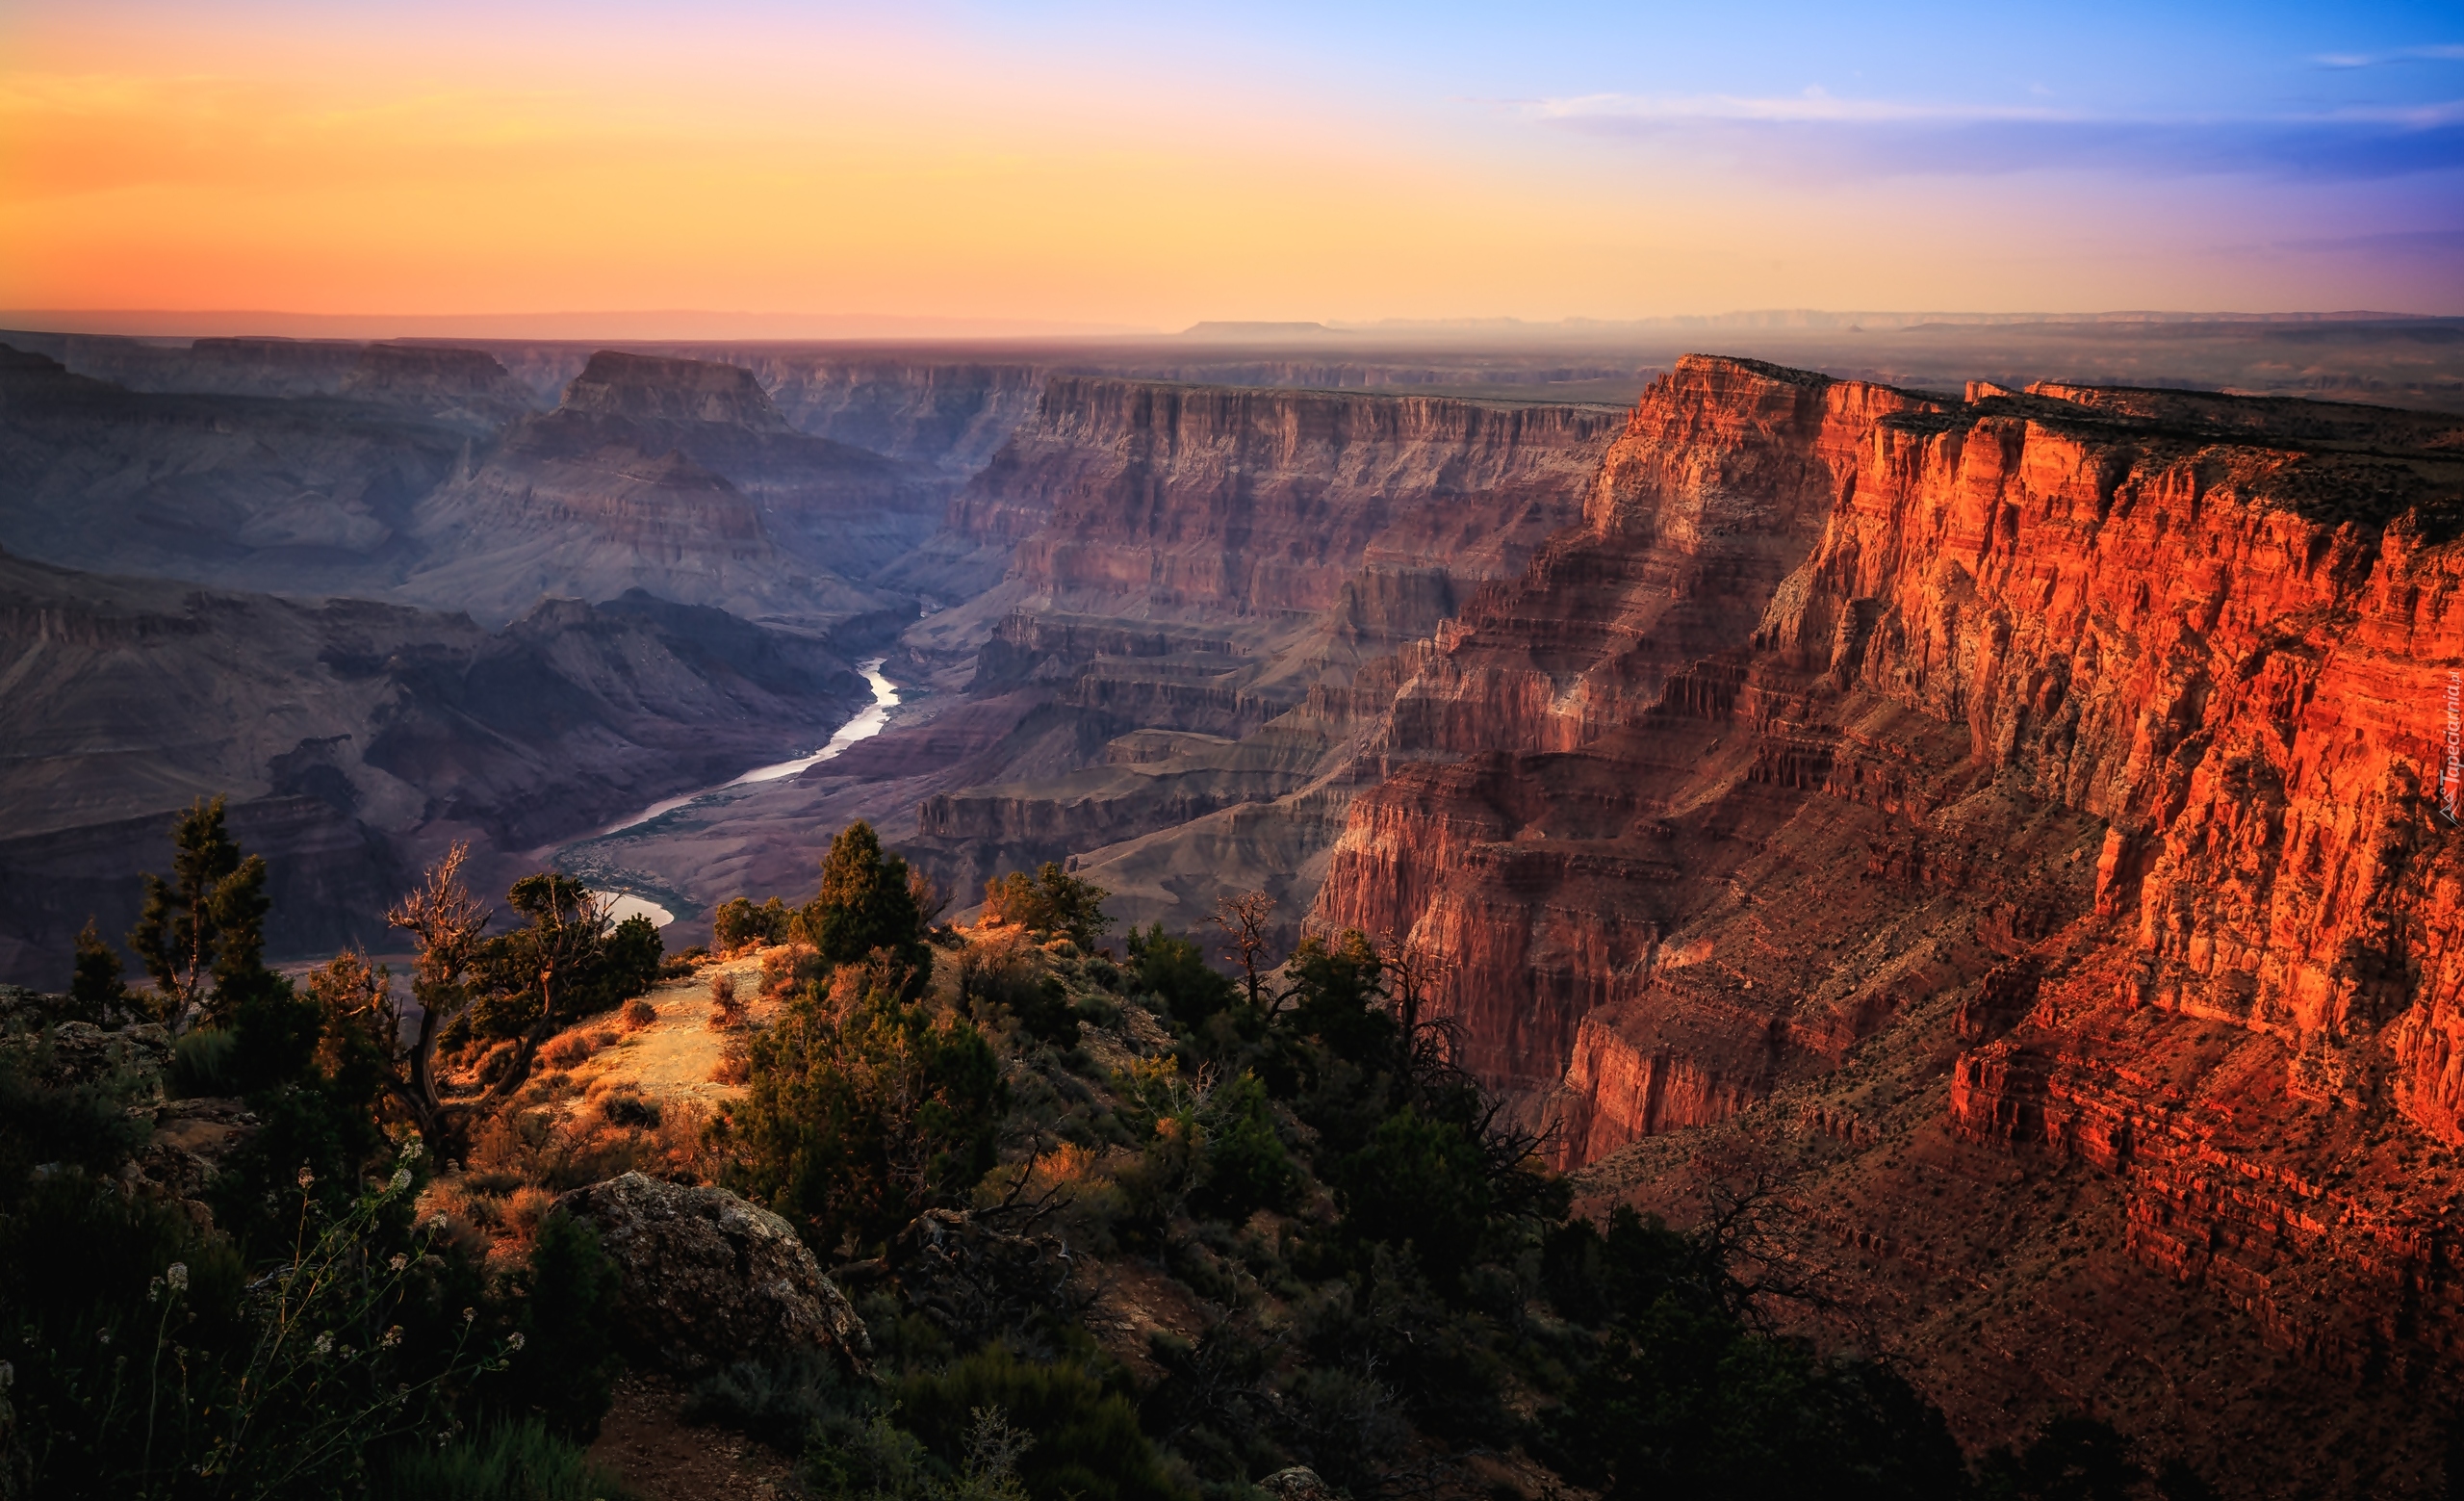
[(1818, 135), (2444, 53)]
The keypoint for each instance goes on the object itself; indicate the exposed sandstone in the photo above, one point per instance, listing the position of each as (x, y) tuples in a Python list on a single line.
[(2077, 752)]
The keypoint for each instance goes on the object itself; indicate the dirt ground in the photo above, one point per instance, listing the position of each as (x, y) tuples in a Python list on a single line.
[(644, 1438), (662, 1458), (673, 1057)]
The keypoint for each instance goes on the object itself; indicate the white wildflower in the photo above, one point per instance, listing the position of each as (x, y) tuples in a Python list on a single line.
[(412, 1149), (398, 1262), (306, 1178), (326, 1343), (513, 1341), (400, 1180), (177, 1275), (468, 1314), (392, 1336)]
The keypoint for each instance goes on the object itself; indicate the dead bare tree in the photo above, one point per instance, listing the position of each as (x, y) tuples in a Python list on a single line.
[(567, 928), (1411, 974), (932, 898), (1245, 919)]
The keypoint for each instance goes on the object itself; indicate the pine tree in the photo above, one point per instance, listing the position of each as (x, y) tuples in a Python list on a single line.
[(207, 922), (95, 990), (864, 904)]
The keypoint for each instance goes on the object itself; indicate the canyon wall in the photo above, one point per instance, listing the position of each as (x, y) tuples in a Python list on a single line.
[(1142, 499), (2005, 836), (353, 739), (1187, 563), (2226, 649), (677, 476)]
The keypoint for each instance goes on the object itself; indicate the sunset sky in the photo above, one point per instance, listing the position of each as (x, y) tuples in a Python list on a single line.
[(1145, 166)]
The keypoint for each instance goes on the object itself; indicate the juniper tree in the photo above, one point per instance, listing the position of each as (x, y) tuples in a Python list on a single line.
[(865, 903), (206, 924)]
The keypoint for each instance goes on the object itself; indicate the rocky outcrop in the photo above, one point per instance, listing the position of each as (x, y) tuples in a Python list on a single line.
[(704, 1278)]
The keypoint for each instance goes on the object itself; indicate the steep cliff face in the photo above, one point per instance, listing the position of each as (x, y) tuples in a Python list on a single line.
[(2228, 655), (1138, 498), (462, 388), (952, 415), (2072, 757)]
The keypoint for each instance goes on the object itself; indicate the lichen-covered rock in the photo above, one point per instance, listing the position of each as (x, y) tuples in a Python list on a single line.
[(1299, 1483), (60, 1051), (707, 1277)]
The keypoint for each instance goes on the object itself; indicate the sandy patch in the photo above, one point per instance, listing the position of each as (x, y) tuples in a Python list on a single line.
[(674, 1056)]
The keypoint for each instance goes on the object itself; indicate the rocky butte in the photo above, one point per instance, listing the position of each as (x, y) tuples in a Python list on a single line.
[(1929, 797)]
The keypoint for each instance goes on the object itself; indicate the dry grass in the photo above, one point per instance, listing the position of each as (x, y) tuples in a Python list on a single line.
[(726, 1015)]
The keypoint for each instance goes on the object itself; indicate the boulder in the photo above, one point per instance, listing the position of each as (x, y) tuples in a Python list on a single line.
[(707, 1277), (1299, 1483)]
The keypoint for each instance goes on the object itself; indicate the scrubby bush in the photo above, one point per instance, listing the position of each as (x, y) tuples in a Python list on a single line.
[(776, 1398), (504, 1461), (852, 1123), (1052, 901), (1175, 971), (1246, 1166), (564, 1374), (1087, 1443), (737, 921), (866, 904)]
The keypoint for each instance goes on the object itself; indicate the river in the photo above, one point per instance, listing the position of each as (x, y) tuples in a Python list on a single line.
[(863, 727)]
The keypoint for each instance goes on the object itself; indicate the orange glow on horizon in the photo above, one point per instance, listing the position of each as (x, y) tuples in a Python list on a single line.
[(331, 172)]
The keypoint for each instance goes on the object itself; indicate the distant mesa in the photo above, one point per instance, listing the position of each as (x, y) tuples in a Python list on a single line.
[(1241, 330), (647, 387)]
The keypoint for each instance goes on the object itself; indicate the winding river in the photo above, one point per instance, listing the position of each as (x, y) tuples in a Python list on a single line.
[(863, 727)]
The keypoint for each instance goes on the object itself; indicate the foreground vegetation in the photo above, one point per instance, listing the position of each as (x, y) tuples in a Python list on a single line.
[(1190, 1228)]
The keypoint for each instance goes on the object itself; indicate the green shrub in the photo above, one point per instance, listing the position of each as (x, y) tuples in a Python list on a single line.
[(850, 1126), (1088, 1446), (1175, 971), (866, 903), (1420, 1182), (506, 1461), (1246, 1167), (565, 1374), (1051, 901), (738, 921), (776, 1399)]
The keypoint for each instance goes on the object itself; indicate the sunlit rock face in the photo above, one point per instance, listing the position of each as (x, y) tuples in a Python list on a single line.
[(1840, 695)]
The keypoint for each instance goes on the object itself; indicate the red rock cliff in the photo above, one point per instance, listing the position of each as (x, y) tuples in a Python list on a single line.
[(1822, 644)]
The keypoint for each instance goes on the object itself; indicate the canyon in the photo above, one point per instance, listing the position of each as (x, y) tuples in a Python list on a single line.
[(2002, 826)]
